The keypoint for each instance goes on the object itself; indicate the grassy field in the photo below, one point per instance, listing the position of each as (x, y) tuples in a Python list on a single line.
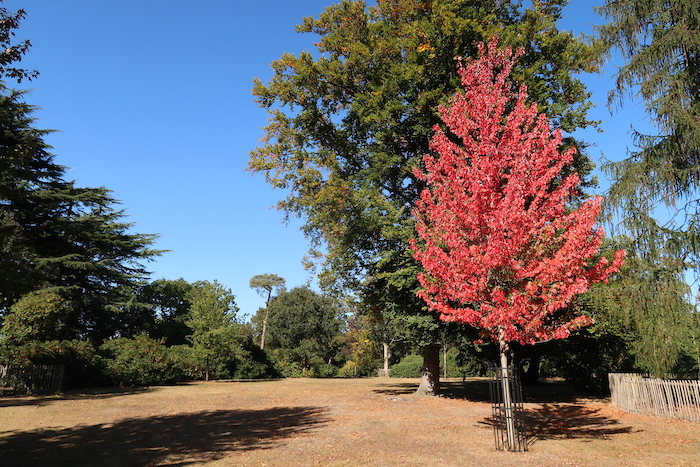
[(335, 422)]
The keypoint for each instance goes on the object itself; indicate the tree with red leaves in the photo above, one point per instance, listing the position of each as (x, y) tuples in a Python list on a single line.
[(501, 247)]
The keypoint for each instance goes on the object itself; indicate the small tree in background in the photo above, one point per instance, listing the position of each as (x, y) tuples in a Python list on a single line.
[(265, 284), (216, 335), (500, 247), (305, 330)]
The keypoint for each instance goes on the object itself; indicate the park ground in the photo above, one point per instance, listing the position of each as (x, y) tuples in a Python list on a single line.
[(330, 422)]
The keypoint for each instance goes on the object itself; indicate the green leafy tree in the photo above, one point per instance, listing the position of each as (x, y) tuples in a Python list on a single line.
[(37, 316), (308, 324), (217, 338), (650, 309), (13, 52), (362, 355), (160, 309), (347, 126), (265, 285)]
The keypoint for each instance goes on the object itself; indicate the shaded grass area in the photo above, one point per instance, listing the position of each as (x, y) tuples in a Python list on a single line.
[(563, 421), (553, 409), (477, 390), (96, 393), (334, 422), (196, 437)]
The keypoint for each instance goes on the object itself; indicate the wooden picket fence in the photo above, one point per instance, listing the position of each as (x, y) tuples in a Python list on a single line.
[(636, 393), (31, 379)]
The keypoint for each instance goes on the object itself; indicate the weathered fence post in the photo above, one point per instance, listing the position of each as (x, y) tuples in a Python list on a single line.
[(31, 379), (635, 393)]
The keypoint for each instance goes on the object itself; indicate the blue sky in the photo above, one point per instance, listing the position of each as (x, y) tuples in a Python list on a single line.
[(152, 99)]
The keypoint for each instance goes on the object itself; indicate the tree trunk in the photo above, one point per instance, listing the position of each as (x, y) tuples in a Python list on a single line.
[(532, 375), (262, 335), (430, 381), (507, 399), (387, 356), (444, 360)]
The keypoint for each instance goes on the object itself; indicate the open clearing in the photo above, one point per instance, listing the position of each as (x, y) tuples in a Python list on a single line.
[(335, 422)]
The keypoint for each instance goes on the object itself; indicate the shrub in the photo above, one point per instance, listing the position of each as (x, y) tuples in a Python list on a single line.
[(83, 366), (411, 366), (322, 370), (256, 366), (141, 362), (349, 370), (184, 359), (286, 363)]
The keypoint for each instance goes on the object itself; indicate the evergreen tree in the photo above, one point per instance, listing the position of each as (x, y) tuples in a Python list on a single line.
[(660, 41), (655, 189), (265, 284), (54, 234)]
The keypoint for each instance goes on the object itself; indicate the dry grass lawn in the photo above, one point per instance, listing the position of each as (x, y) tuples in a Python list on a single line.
[(334, 422)]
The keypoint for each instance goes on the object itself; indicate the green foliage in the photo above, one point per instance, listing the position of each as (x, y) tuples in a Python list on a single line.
[(160, 309), (83, 366), (411, 366), (257, 365), (587, 356), (308, 326), (321, 369), (12, 52), (287, 363), (349, 370), (37, 316), (266, 284), (468, 359), (360, 350), (648, 305), (216, 336), (655, 189), (142, 362)]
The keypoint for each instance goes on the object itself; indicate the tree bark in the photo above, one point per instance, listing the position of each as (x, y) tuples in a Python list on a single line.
[(267, 304), (387, 356), (262, 335), (430, 381), (532, 375), (444, 360), (507, 399)]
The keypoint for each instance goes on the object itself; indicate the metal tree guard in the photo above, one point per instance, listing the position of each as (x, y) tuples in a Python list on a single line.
[(507, 408)]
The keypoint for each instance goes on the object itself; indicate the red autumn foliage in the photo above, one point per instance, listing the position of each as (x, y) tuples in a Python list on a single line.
[(501, 248)]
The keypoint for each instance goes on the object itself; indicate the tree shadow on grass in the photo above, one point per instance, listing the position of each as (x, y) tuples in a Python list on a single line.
[(92, 393), (477, 390), (180, 439), (566, 421), (396, 389)]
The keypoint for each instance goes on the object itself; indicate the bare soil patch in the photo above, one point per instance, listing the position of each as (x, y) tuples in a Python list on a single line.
[(334, 422)]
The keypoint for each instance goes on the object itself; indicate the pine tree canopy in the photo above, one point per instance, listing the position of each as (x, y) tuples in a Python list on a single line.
[(660, 40)]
